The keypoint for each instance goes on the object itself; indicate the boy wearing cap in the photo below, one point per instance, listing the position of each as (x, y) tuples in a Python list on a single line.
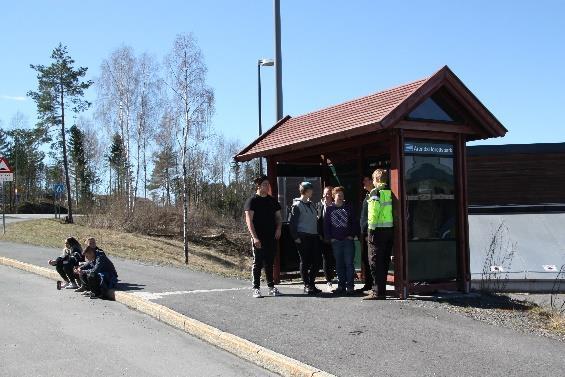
[(264, 222), (304, 230)]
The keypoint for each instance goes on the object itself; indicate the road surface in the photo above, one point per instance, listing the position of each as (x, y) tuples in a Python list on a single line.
[(45, 332), (341, 335)]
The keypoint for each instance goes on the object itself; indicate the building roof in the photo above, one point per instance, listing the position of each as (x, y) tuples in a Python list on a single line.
[(356, 117)]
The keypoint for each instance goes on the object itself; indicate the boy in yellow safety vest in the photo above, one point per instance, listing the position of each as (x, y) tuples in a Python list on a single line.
[(381, 234)]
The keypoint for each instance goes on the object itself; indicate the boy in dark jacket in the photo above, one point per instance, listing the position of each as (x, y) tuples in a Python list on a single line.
[(99, 274)]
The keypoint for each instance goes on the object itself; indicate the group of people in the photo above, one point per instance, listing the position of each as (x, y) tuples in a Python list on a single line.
[(87, 271), (324, 233)]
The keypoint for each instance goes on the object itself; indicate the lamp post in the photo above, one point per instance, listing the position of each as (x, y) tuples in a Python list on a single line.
[(261, 63)]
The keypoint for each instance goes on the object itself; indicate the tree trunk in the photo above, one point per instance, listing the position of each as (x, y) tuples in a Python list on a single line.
[(185, 184), (66, 161), (144, 167)]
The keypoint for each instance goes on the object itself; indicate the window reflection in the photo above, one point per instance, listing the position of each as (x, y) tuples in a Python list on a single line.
[(430, 192)]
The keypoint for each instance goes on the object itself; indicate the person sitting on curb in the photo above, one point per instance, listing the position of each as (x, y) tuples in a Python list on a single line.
[(304, 231), (339, 227), (81, 272), (72, 255), (102, 276)]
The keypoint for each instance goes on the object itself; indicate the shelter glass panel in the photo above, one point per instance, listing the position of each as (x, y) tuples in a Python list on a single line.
[(432, 211)]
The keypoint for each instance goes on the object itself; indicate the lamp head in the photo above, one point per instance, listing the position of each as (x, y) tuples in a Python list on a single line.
[(266, 62)]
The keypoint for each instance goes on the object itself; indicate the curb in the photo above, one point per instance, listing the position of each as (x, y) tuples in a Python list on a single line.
[(270, 360)]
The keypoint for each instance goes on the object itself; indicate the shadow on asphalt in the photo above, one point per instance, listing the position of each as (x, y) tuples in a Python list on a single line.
[(121, 286), (479, 301)]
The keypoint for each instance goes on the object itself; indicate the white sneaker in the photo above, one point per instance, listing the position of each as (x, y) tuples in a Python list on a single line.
[(330, 286), (274, 291), (65, 284), (72, 286), (257, 293)]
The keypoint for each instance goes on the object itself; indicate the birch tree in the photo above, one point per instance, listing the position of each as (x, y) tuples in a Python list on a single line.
[(194, 100), (149, 101), (118, 87)]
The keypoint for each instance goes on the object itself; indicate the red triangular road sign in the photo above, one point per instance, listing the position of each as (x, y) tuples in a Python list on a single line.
[(4, 167)]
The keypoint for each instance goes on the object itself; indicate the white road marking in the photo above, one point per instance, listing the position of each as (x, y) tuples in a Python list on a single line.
[(159, 295)]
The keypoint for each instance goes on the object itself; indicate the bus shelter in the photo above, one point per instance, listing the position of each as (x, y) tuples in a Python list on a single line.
[(418, 131)]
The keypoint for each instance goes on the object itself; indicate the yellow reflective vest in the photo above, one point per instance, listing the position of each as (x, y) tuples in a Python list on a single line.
[(379, 208)]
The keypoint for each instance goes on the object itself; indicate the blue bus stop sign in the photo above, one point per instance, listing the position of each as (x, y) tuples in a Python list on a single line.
[(59, 188)]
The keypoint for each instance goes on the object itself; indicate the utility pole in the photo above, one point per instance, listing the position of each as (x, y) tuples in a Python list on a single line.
[(278, 60)]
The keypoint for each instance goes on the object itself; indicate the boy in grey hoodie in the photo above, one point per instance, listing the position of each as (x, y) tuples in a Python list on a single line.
[(304, 231)]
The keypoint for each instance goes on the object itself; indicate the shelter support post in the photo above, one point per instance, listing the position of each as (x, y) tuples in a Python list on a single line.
[(464, 262), (397, 187), (272, 176)]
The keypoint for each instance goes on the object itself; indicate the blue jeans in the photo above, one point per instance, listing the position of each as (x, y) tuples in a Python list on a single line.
[(344, 253)]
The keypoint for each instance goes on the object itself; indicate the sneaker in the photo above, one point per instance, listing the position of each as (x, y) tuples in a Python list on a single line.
[(65, 284), (308, 290), (257, 293), (274, 291), (80, 289), (72, 286), (374, 296), (86, 293), (330, 286)]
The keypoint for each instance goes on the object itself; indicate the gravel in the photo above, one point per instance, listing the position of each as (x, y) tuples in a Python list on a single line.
[(521, 312)]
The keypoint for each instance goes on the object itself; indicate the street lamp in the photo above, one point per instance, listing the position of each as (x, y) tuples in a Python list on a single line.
[(261, 63)]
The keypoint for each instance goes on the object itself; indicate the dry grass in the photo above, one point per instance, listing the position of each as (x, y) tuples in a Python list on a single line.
[(550, 319), (51, 233)]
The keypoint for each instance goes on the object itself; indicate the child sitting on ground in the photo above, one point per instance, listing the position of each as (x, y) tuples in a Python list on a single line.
[(99, 274), (72, 255)]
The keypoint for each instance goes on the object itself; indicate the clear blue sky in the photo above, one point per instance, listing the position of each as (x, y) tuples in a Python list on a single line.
[(511, 54)]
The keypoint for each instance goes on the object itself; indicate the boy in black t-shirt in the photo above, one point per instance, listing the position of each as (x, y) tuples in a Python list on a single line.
[(264, 221)]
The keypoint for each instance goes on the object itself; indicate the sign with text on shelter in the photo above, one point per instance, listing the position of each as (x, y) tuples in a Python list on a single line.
[(425, 148)]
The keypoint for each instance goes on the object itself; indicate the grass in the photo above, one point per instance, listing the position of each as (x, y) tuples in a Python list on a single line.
[(550, 319), (51, 233)]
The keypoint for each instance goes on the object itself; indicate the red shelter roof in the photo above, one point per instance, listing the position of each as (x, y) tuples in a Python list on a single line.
[(362, 115)]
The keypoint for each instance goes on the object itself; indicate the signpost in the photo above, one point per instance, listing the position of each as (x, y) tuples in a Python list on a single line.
[(58, 189), (6, 175)]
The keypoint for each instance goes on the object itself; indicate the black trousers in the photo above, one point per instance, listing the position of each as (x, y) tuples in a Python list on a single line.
[(368, 276), (66, 269), (264, 258), (380, 251), (328, 261), (310, 257)]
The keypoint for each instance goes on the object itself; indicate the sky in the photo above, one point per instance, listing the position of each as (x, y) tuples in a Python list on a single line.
[(511, 54)]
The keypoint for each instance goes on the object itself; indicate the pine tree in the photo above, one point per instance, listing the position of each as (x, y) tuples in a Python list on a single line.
[(60, 85), (4, 143), (118, 163), (164, 172), (82, 172)]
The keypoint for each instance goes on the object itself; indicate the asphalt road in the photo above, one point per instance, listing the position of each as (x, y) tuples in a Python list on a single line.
[(341, 335), (14, 218), (45, 332)]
